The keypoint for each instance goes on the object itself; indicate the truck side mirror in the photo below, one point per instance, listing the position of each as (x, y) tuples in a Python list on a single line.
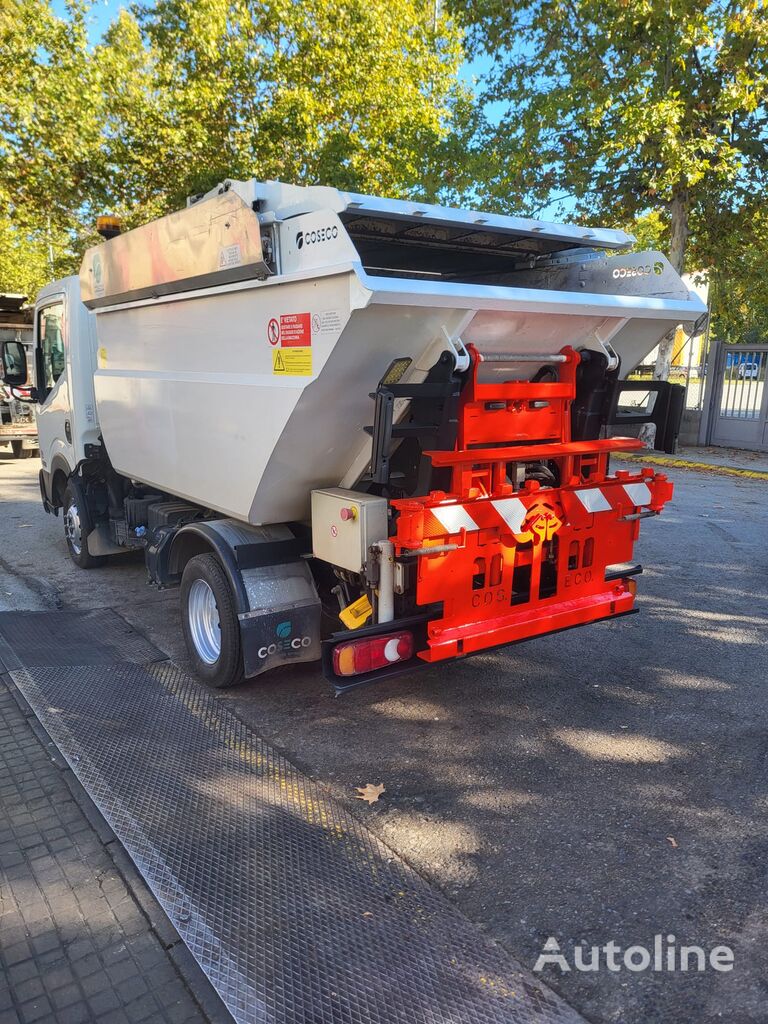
[(14, 364)]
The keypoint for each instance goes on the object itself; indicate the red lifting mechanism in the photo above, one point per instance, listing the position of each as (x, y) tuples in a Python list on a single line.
[(511, 561)]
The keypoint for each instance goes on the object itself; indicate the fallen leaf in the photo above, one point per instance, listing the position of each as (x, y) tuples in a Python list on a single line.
[(672, 841), (370, 793)]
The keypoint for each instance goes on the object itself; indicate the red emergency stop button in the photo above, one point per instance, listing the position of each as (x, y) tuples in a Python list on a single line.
[(348, 513)]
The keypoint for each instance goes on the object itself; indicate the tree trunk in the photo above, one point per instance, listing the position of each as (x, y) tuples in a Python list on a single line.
[(679, 210)]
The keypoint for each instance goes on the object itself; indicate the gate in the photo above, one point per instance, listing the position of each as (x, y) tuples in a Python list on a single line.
[(739, 407)]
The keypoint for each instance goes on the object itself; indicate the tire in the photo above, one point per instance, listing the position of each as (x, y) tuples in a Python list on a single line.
[(19, 452), (209, 621), (76, 528)]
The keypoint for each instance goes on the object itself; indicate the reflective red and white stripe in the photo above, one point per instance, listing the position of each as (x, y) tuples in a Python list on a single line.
[(510, 512), (595, 499), (478, 515), (483, 514)]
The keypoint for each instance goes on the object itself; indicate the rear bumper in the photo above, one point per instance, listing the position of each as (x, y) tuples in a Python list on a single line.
[(18, 432), (483, 642), (513, 628)]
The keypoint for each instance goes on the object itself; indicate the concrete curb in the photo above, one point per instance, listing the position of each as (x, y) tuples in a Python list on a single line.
[(704, 467)]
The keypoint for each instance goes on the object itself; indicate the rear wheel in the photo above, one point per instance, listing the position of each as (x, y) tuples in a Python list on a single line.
[(76, 530), (209, 621)]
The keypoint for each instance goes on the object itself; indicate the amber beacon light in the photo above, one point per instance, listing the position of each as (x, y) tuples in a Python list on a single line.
[(108, 226)]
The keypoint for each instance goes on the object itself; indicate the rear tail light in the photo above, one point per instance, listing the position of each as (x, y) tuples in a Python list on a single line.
[(371, 653)]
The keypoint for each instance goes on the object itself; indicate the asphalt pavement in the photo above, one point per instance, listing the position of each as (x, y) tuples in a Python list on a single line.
[(605, 784)]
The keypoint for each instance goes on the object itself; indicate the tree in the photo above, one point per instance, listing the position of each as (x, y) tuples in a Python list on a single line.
[(630, 106), (180, 94), (50, 159), (355, 94), (739, 270)]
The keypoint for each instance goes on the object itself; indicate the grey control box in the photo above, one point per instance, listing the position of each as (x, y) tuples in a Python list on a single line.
[(345, 524)]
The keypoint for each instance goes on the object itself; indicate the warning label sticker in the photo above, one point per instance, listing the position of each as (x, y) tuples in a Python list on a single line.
[(292, 361), (295, 330), (230, 256), (328, 322)]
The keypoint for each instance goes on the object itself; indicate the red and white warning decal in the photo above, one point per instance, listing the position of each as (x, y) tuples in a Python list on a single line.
[(295, 330), (291, 330)]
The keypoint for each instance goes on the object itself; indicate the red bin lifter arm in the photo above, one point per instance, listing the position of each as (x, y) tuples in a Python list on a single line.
[(506, 560)]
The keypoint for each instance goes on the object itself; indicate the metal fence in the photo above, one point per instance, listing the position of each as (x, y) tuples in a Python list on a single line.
[(738, 399)]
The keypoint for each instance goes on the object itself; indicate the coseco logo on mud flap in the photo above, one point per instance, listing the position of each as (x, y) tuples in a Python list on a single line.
[(313, 237), (285, 643)]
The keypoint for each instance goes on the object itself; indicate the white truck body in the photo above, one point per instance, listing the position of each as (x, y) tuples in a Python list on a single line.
[(244, 395)]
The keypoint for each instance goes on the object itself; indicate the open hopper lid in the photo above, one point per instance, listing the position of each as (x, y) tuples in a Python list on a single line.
[(367, 215)]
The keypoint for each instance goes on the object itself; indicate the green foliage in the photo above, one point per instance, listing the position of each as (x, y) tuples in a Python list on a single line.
[(50, 146), (353, 94), (626, 104), (735, 246), (183, 93), (630, 109)]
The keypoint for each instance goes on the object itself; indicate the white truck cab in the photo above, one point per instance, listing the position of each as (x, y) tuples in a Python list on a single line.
[(64, 339), (66, 407)]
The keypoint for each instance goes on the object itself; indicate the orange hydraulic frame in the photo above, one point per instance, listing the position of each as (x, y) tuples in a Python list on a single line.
[(507, 561)]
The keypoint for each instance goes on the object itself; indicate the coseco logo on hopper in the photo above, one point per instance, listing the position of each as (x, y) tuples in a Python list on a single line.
[(304, 238)]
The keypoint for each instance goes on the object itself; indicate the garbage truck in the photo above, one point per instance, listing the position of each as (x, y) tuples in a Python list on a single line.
[(370, 432)]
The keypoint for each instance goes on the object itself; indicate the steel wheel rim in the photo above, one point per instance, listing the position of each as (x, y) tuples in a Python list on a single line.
[(203, 619), (73, 528)]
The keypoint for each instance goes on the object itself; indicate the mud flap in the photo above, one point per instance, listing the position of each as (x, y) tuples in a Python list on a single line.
[(100, 542), (282, 626)]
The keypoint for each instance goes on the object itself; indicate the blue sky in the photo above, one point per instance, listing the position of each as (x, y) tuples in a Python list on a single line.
[(103, 12)]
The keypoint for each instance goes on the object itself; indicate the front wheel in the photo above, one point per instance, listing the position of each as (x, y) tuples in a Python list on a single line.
[(76, 530), (209, 621)]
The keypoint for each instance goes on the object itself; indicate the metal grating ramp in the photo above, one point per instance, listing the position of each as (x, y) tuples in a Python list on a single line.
[(96, 637), (294, 910)]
